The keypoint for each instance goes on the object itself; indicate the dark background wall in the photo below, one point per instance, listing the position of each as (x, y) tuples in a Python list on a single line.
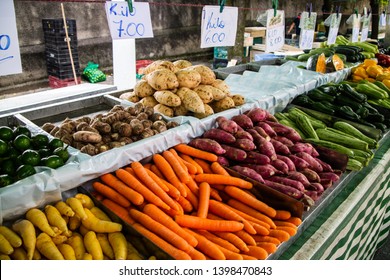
[(176, 27)]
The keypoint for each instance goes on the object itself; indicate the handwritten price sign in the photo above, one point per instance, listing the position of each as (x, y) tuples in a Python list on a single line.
[(308, 22), (218, 29), (129, 25), (275, 31), (366, 23), (10, 62)]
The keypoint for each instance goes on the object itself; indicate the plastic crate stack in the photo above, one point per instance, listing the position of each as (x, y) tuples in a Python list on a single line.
[(58, 61)]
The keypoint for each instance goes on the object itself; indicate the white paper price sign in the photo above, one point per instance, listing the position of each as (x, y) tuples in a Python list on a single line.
[(365, 26), (355, 28), (275, 31), (10, 62), (129, 25), (308, 23), (334, 28), (218, 29)]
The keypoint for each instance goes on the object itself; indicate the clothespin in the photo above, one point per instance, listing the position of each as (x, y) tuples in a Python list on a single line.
[(221, 5), (130, 3), (275, 6), (338, 11), (356, 12), (309, 8), (364, 11)]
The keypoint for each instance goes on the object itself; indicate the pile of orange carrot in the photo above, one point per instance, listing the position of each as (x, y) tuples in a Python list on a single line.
[(192, 208)]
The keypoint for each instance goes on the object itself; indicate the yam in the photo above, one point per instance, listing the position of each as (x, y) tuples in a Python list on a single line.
[(191, 100), (143, 89), (164, 110), (223, 104), (158, 65), (220, 84), (182, 63), (148, 101), (162, 79), (180, 110), (238, 99), (208, 111), (130, 96), (188, 78), (87, 137), (167, 98), (218, 94), (208, 76), (205, 93)]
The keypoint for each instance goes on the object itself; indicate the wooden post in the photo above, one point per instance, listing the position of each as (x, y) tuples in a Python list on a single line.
[(68, 42)]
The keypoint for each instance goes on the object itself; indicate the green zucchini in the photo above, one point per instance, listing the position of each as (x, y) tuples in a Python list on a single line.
[(351, 92), (331, 145), (372, 91), (294, 112), (353, 131), (354, 165), (349, 142), (318, 95), (361, 153), (292, 124), (306, 127)]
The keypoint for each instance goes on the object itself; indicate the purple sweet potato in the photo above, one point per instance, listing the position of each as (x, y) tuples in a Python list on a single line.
[(299, 163), (248, 172), (208, 145), (257, 138), (284, 140), (288, 161), (280, 148), (326, 183), (316, 187), (227, 125), (288, 182), (265, 170), (329, 175), (301, 147), (311, 175), (313, 195), (280, 165), (298, 176), (223, 161), (262, 132), (290, 191), (234, 153), (325, 166), (245, 144), (243, 121), (254, 157), (293, 136), (314, 165), (242, 134), (257, 114), (220, 135), (267, 128)]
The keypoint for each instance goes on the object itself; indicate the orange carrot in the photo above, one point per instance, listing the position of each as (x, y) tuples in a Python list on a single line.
[(133, 196), (218, 187), (178, 159), (250, 200), (246, 237), (259, 228), (195, 254), (266, 238), (230, 255), (291, 231), (156, 171), (249, 218), (217, 168), (147, 165), (157, 180), (168, 172), (209, 248), (222, 210), (158, 215), (204, 164), (248, 258), (179, 169), (208, 224), (223, 179), (152, 185), (159, 229), (282, 215), (218, 240), (192, 198), (136, 185), (204, 198), (191, 169), (233, 239), (111, 193), (165, 246), (257, 252), (251, 211), (215, 194), (279, 234), (295, 220), (172, 190), (284, 224), (120, 211), (268, 246), (193, 186), (194, 152), (186, 204), (190, 160)]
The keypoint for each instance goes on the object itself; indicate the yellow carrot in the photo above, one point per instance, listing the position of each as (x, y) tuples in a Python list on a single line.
[(5, 246), (99, 213), (77, 207), (77, 243), (38, 218), (55, 219), (105, 244), (86, 201), (26, 230), (119, 245), (64, 209), (46, 247), (97, 225), (11, 236), (67, 251), (92, 245)]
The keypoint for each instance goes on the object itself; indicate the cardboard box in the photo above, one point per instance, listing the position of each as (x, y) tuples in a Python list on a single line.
[(256, 31)]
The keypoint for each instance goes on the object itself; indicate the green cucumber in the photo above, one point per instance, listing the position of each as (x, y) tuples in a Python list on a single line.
[(353, 131), (350, 142), (331, 145)]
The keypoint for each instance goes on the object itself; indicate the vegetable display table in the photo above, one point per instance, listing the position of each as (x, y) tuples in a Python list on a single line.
[(357, 221)]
